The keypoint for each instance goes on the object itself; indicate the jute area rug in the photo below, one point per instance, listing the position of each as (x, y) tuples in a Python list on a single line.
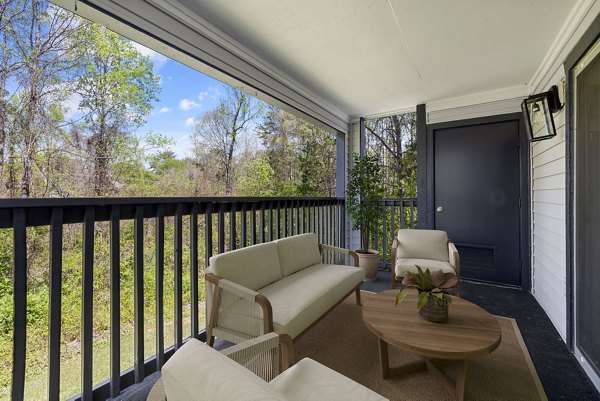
[(342, 342)]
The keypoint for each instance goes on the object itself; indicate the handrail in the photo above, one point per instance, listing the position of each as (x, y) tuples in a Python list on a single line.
[(244, 221)]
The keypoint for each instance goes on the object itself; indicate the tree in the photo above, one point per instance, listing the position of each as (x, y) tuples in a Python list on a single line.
[(279, 134), (117, 88), (393, 138), (218, 131), (316, 160), (301, 155), (38, 54)]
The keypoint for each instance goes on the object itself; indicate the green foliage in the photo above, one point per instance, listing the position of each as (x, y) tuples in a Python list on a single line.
[(365, 189), (257, 179), (428, 284)]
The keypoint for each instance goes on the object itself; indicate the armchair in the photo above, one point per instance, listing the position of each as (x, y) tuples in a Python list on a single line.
[(256, 369), (426, 248)]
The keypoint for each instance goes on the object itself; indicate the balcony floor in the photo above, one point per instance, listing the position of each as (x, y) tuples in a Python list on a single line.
[(561, 375)]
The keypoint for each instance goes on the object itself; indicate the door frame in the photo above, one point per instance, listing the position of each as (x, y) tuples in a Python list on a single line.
[(427, 164), (579, 51)]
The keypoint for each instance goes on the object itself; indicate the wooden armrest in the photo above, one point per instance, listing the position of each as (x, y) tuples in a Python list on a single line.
[(454, 256), (260, 299), (344, 251)]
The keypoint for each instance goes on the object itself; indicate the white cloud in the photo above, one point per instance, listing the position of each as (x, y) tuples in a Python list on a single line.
[(183, 145), (189, 122), (71, 106), (165, 110), (158, 60), (187, 104), (202, 95)]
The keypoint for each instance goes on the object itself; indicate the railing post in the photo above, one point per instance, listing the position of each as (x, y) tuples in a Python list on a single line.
[(19, 303), (244, 226), (208, 233), (232, 229), (178, 273), (54, 309), (253, 224), (87, 306), (160, 278), (194, 268), (115, 302), (138, 293)]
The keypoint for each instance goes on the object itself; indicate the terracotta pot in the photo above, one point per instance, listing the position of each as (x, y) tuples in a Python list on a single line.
[(435, 310), (369, 262)]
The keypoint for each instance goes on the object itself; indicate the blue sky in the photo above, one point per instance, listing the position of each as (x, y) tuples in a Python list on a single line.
[(185, 94)]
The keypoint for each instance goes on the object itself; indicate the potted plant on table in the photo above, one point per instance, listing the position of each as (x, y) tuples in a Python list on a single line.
[(434, 294), (365, 189)]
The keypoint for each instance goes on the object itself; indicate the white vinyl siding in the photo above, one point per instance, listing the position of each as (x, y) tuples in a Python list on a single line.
[(548, 224)]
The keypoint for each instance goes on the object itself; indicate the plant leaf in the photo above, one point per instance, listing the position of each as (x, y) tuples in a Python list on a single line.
[(448, 298), (401, 295), (423, 297)]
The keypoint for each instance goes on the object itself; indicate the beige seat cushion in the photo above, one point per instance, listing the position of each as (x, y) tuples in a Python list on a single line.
[(253, 267), (408, 264), (300, 299), (298, 252), (422, 244), (198, 372), (309, 380)]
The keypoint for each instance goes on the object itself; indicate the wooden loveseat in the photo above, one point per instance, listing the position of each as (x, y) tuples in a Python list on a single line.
[(282, 286)]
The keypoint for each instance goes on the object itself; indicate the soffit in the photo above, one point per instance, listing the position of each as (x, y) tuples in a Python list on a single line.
[(372, 57)]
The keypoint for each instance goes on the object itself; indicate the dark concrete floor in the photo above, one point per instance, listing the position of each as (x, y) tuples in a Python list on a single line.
[(560, 373)]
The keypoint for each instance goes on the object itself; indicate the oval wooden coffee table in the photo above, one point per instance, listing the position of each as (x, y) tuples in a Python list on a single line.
[(470, 332)]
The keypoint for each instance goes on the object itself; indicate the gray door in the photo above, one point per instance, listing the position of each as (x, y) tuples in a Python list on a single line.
[(587, 179), (476, 190)]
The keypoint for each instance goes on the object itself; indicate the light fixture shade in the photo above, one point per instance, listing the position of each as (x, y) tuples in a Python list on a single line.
[(537, 110)]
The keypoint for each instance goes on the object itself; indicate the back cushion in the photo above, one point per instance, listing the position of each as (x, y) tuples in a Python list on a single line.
[(253, 267), (422, 244), (198, 372), (298, 252)]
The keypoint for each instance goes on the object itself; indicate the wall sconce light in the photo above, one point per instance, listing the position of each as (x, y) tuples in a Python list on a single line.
[(537, 111)]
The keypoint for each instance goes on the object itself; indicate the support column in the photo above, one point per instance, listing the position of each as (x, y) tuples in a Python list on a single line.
[(422, 166)]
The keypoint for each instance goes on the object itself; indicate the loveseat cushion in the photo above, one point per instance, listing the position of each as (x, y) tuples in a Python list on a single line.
[(309, 380), (422, 244), (198, 372), (252, 267), (298, 252), (300, 299), (404, 265)]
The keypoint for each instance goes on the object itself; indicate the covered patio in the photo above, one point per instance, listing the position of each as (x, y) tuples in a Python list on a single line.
[(523, 215)]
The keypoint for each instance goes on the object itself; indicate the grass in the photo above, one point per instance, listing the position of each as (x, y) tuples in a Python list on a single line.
[(36, 385)]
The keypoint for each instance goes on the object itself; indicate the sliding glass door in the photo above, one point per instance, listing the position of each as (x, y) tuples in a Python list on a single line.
[(587, 207)]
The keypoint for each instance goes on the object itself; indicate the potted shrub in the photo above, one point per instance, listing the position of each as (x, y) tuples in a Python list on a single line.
[(434, 294), (365, 189)]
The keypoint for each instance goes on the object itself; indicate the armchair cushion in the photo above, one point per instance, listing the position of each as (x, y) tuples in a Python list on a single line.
[(302, 298), (298, 252), (422, 244), (253, 267), (198, 372), (309, 380), (404, 265)]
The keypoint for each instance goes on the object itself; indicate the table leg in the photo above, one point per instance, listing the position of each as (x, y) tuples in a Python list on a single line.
[(461, 380), (384, 358)]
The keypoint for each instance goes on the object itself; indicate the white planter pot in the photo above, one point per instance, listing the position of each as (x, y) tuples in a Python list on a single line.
[(369, 262)]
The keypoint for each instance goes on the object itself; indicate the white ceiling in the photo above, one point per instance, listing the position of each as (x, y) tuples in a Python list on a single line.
[(368, 57)]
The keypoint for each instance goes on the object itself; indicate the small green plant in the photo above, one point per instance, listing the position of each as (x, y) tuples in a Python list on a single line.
[(365, 189), (427, 283)]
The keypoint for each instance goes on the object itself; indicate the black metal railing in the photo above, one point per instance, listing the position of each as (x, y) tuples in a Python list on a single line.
[(225, 224), (396, 213)]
